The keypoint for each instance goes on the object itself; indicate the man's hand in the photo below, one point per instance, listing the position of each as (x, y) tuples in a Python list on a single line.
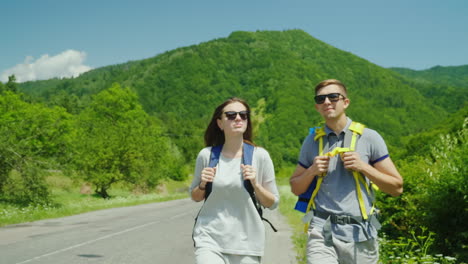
[(352, 161), (320, 165)]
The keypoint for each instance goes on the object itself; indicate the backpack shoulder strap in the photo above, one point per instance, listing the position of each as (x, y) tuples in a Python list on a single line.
[(319, 132), (214, 156), (357, 127), (247, 156), (352, 134), (214, 159), (247, 153)]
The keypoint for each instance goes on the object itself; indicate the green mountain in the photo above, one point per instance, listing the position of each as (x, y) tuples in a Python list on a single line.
[(444, 86), (450, 76), (275, 71)]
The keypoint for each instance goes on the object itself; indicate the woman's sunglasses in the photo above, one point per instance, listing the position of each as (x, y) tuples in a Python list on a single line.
[(231, 115), (333, 97)]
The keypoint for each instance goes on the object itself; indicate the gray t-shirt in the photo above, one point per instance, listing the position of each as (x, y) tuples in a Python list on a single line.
[(228, 221), (337, 193)]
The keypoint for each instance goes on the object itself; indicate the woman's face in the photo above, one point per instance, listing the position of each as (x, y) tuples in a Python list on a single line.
[(233, 119)]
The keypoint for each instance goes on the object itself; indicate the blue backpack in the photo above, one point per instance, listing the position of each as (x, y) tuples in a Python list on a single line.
[(247, 154), (303, 199)]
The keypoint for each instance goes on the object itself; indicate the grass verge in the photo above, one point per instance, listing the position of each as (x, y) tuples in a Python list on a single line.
[(67, 200), (287, 203), (299, 238)]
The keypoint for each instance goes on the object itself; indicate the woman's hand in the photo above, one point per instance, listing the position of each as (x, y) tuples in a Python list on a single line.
[(207, 175), (249, 173)]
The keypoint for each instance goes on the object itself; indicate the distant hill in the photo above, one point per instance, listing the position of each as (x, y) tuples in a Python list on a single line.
[(445, 86), (456, 76), (275, 71)]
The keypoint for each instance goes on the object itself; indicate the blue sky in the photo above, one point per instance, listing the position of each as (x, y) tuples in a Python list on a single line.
[(56, 38)]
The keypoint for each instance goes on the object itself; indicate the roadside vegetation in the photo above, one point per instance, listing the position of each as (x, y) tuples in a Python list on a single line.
[(426, 223), (71, 198), (412, 249)]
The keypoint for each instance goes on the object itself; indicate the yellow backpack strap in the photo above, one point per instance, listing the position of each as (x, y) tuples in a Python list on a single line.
[(357, 129), (319, 133), (311, 203), (362, 206)]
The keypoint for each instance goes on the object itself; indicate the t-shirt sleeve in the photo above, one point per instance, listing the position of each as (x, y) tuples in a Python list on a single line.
[(306, 156), (378, 148), (267, 171), (201, 162)]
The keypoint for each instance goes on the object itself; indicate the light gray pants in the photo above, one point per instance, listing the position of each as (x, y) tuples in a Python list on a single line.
[(209, 256), (366, 252)]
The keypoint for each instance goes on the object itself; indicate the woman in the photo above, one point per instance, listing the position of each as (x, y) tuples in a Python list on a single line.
[(229, 228)]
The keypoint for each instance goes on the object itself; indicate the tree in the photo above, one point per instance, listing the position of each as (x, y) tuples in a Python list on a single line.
[(32, 138), (11, 85), (119, 142)]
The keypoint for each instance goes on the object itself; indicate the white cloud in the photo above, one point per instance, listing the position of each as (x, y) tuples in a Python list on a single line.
[(66, 64)]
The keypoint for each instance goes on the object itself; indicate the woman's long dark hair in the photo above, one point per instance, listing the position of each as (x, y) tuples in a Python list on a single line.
[(214, 135)]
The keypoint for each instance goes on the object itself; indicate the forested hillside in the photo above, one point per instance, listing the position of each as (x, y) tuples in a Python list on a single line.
[(274, 71), (143, 121), (444, 86), (456, 76)]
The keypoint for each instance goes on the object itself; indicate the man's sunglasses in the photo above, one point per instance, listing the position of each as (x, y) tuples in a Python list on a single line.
[(333, 97), (231, 115)]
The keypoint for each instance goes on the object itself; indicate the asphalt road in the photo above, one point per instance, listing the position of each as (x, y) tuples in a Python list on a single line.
[(151, 233)]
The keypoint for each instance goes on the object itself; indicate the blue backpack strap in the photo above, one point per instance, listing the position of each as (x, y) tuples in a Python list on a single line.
[(247, 155), (214, 159)]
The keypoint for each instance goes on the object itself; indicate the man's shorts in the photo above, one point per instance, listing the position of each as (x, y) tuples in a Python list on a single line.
[(366, 252), (205, 255)]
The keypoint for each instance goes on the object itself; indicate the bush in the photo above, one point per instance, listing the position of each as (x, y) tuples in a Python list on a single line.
[(26, 187), (431, 183), (410, 249)]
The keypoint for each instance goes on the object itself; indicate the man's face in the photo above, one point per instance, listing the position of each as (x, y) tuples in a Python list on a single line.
[(332, 102)]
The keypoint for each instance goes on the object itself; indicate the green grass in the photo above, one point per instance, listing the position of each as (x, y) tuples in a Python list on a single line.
[(299, 238), (287, 203), (67, 200)]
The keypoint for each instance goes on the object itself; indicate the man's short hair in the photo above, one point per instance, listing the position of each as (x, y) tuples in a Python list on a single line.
[(329, 82)]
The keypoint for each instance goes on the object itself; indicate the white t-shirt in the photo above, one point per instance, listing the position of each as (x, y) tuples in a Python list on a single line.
[(228, 221)]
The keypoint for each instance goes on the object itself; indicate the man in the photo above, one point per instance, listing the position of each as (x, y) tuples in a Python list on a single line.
[(343, 226)]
